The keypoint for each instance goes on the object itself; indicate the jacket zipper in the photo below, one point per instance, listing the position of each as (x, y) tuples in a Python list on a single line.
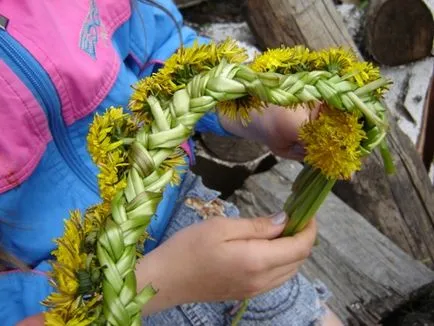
[(33, 75)]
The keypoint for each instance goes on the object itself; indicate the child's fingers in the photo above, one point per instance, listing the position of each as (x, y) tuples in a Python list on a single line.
[(289, 250)]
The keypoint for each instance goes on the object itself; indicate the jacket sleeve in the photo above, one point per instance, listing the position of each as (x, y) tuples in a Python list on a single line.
[(21, 294), (167, 41)]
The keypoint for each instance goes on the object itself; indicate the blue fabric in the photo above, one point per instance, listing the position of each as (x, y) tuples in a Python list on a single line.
[(21, 294), (210, 123), (32, 214)]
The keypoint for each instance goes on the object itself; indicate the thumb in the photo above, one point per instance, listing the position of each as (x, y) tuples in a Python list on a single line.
[(257, 228)]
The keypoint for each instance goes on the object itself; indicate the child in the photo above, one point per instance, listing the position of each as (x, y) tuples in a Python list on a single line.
[(62, 62)]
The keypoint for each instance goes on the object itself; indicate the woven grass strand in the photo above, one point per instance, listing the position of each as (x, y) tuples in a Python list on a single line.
[(173, 123)]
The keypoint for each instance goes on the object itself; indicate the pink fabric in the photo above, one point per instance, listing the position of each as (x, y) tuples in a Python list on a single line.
[(24, 130), (187, 149), (81, 80)]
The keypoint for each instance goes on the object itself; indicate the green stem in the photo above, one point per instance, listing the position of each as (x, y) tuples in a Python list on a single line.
[(302, 184), (389, 166), (306, 200), (302, 177), (298, 199), (372, 86), (367, 112), (240, 313), (315, 205)]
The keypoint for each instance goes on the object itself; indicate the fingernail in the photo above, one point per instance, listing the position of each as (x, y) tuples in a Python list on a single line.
[(279, 218)]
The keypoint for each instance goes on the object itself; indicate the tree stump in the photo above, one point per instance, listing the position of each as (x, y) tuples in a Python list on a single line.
[(401, 205), (225, 162), (398, 31)]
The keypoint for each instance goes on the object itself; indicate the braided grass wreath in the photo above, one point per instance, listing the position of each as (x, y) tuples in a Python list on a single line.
[(139, 154)]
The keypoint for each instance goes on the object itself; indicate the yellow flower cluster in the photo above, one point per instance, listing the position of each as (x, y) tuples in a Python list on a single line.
[(338, 61), (81, 314), (74, 303), (70, 260), (104, 145), (181, 67), (333, 143), (334, 60), (284, 60), (99, 138), (240, 109)]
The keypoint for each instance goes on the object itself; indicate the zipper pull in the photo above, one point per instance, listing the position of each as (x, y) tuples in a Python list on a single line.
[(3, 22)]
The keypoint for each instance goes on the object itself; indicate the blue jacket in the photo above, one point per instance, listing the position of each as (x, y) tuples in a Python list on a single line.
[(60, 62)]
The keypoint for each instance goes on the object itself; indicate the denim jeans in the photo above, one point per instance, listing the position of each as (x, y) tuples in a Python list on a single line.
[(295, 303)]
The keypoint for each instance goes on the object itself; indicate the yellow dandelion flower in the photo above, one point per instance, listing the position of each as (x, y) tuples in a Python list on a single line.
[(111, 179), (363, 73), (283, 60), (239, 109), (81, 313), (142, 89), (99, 139), (70, 258), (228, 50), (333, 143), (181, 67), (54, 318), (69, 248), (334, 60), (95, 217)]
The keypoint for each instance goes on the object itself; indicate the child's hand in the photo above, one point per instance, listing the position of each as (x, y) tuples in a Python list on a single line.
[(276, 127), (223, 259)]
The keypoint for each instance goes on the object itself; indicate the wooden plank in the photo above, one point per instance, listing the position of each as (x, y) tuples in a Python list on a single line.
[(277, 22), (368, 275), (401, 205), (408, 97)]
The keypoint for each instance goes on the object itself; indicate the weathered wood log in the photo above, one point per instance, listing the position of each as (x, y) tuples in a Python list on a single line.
[(225, 162), (398, 31), (401, 205), (409, 96), (368, 275), (289, 22)]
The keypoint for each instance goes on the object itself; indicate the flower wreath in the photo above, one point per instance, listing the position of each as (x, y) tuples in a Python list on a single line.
[(139, 154)]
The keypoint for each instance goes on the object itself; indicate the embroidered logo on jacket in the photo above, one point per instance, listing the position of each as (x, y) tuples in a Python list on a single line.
[(91, 30)]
